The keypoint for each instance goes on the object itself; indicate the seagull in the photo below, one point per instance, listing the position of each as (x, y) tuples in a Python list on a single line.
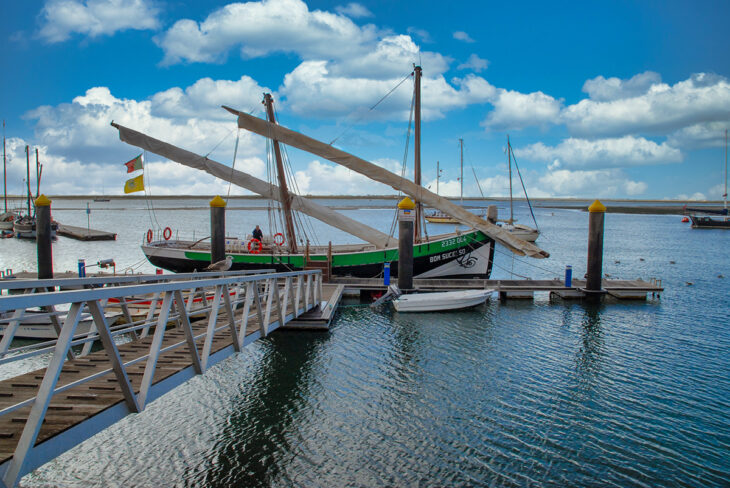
[(720, 276), (223, 265), (689, 283)]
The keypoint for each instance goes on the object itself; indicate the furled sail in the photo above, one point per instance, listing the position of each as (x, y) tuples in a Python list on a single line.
[(374, 172), (253, 184)]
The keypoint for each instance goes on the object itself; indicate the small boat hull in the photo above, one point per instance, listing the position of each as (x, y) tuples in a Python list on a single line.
[(703, 222), (441, 301)]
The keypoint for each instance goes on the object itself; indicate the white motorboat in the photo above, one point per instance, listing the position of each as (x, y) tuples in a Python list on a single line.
[(523, 232), (435, 302)]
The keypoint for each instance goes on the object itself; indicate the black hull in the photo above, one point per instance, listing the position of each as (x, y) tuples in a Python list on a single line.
[(422, 264), (701, 222)]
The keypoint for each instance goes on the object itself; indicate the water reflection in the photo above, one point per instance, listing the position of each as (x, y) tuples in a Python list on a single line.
[(257, 432), (590, 353)]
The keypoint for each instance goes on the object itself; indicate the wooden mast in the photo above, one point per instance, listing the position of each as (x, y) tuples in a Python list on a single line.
[(285, 196), (5, 171), (417, 151), (461, 171), (509, 165), (27, 170)]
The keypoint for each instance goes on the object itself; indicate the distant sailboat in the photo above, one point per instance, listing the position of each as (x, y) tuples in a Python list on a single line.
[(439, 217), (7, 217), (524, 232), (24, 226), (707, 222)]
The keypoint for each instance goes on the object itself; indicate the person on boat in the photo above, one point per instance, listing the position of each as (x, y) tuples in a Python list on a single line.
[(258, 234)]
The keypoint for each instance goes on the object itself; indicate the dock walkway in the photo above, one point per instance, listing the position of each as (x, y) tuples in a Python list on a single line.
[(84, 234), (621, 289), (47, 411)]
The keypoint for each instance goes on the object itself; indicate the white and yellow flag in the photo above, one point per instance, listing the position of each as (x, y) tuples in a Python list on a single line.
[(135, 184)]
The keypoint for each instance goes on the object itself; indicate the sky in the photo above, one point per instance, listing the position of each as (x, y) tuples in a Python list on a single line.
[(599, 99)]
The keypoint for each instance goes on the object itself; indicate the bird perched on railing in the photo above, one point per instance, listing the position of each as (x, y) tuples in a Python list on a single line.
[(222, 265)]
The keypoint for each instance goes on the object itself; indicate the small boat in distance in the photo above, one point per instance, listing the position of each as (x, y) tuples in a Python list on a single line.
[(440, 301), (439, 217), (524, 232), (707, 222)]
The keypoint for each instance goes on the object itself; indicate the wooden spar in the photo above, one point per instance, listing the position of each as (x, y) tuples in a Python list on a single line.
[(251, 183), (374, 172), (417, 151), (283, 187)]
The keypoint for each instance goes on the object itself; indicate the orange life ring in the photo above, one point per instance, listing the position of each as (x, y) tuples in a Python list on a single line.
[(277, 241), (167, 233), (149, 235), (257, 248)]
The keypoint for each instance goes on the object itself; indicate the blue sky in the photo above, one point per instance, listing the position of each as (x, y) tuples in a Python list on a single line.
[(600, 99)]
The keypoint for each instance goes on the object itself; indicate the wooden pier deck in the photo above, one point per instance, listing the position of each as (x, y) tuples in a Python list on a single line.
[(83, 409), (84, 234), (621, 289)]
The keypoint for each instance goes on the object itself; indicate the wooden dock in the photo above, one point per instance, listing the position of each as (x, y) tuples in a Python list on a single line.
[(515, 289), (93, 391), (84, 234)]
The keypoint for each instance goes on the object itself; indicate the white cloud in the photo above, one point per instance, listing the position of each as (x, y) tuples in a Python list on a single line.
[(332, 179), (205, 97), (422, 34), (700, 99), (707, 134), (353, 10), (61, 18), (312, 90), (78, 130), (614, 152), (605, 89), (696, 197), (474, 63), (515, 110), (249, 26), (716, 192), (592, 183), (463, 36)]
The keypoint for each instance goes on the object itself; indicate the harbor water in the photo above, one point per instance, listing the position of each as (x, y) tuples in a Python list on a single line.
[(519, 393)]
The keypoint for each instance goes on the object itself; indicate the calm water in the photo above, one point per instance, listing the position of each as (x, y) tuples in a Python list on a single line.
[(515, 394)]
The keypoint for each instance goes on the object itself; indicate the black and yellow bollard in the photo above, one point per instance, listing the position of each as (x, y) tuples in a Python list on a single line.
[(597, 212), (406, 219), (43, 237), (217, 230)]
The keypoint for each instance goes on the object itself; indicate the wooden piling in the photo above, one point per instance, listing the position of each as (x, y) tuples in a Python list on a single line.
[(406, 219), (217, 230), (597, 212), (43, 237)]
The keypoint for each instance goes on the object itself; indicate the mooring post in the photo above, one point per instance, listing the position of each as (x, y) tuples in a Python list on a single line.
[(596, 212), (43, 237), (492, 214), (406, 219), (217, 230)]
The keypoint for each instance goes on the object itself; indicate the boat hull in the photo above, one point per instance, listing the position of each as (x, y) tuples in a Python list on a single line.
[(444, 301), (469, 255), (702, 222)]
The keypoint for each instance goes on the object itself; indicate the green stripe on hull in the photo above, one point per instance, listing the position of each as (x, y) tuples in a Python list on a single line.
[(352, 259)]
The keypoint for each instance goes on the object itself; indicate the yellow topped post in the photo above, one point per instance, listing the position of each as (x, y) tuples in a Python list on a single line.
[(596, 207), (406, 204), (43, 237), (217, 202), (42, 201), (217, 230), (597, 212)]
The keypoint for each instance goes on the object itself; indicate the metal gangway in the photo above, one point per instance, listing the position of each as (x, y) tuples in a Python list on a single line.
[(173, 328)]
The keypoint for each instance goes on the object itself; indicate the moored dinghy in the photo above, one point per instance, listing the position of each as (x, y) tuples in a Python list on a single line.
[(441, 301)]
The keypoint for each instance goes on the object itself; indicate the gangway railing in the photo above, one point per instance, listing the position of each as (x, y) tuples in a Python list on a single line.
[(234, 310)]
